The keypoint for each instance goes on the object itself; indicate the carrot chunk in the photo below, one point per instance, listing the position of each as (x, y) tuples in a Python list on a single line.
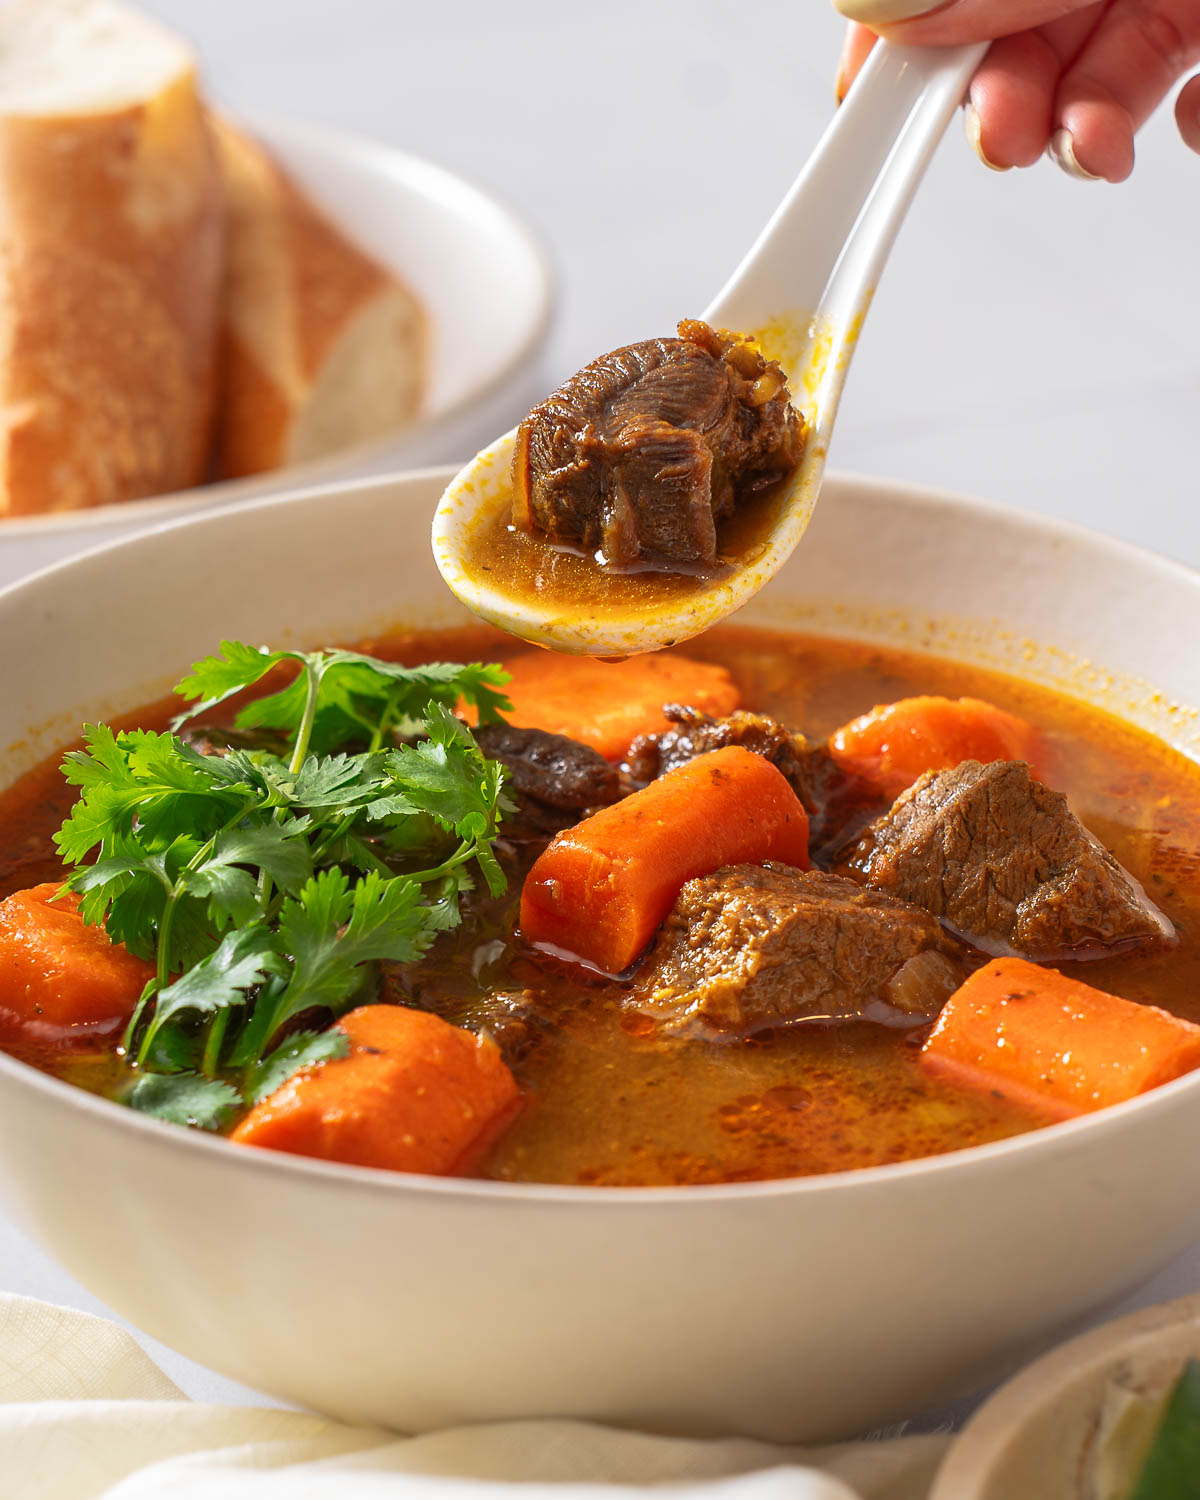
[(415, 1095), (1052, 1042), (897, 742), (607, 704), (63, 985), (600, 889)]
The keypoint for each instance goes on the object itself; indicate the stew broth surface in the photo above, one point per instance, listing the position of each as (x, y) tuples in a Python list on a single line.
[(611, 1101), (523, 566)]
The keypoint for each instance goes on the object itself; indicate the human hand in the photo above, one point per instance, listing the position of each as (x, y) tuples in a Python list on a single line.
[(1073, 78)]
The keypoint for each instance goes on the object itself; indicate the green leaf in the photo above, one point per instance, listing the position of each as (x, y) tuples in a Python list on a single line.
[(263, 772), (108, 802), (322, 784), (233, 894), (352, 674), (126, 893), (243, 958), (446, 776), (1173, 1462), (193, 936), (333, 927), (387, 920), (489, 866), (176, 1048), (215, 678), (396, 809), (166, 764), (303, 1049), (269, 884), (336, 780), (169, 789), (278, 847), (130, 914), (282, 710), (481, 684), (185, 1099), (360, 694)]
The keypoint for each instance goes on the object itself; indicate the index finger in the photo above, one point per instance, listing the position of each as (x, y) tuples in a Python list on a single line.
[(1132, 59)]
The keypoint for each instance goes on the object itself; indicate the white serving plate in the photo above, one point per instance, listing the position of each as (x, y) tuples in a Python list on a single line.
[(1033, 1438), (481, 276), (784, 1310)]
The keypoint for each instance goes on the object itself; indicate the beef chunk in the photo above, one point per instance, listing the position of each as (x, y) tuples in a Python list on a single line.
[(756, 946), (1001, 859), (556, 770), (829, 794), (653, 755), (556, 779), (510, 1018), (641, 453)]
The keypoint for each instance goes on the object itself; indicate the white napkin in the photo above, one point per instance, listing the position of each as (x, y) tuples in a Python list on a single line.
[(86, 1415)]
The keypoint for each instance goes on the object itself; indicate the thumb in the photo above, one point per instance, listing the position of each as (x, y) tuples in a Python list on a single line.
[(955, 21)]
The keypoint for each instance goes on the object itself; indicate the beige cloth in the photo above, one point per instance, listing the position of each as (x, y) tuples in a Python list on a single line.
[(85, 1414)]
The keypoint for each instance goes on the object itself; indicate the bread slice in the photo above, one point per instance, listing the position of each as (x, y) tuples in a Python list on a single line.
[(111, 247), (323, 348)]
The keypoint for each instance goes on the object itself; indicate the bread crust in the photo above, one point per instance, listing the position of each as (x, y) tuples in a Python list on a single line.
[(296, 289), (111, 255)]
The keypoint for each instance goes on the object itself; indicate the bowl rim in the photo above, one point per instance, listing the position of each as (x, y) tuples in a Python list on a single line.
[(436, 182), (1054, 1138)]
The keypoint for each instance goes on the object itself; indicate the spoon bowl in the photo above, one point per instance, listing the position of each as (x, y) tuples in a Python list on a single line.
[(801, 293)]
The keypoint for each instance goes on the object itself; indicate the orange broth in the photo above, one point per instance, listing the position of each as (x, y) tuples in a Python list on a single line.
[(609, 1100)]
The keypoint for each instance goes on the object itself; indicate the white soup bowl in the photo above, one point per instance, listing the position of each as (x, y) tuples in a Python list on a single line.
[(797, 1309)]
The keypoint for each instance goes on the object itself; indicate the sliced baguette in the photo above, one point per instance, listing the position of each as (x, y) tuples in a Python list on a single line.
[(111, 248), (323, 347)]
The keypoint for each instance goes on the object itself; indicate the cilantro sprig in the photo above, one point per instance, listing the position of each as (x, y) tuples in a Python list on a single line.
[(265, 887)]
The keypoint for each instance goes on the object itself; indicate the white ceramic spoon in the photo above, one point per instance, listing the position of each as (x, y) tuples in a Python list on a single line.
[(802, 292)]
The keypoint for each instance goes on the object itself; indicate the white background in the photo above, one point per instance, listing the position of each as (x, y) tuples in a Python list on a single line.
[(1034, 340)]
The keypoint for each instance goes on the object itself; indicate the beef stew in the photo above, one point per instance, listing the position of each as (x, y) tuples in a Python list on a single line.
[(683, 1068)]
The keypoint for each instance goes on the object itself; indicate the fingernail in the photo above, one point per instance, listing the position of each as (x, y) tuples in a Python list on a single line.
[(883, 12), (1061, 151), (974, 128)]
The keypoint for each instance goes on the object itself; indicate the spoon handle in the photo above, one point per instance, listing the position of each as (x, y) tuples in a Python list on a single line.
[(822, 251)]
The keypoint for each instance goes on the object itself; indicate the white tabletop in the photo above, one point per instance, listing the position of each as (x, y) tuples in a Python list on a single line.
[(1035, 340)]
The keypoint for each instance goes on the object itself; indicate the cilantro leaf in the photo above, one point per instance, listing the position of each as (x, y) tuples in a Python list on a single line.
[(481, 684), (447, 777), (489, 867), (185, 1099), (242, 959), (162, 763), (282, 710), (334, 926), (337, 780), (269, 880), (278, 847), (176, 1048), (152, 778), (361, 697), (443, 775), (216, 678), (303, 1049)]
